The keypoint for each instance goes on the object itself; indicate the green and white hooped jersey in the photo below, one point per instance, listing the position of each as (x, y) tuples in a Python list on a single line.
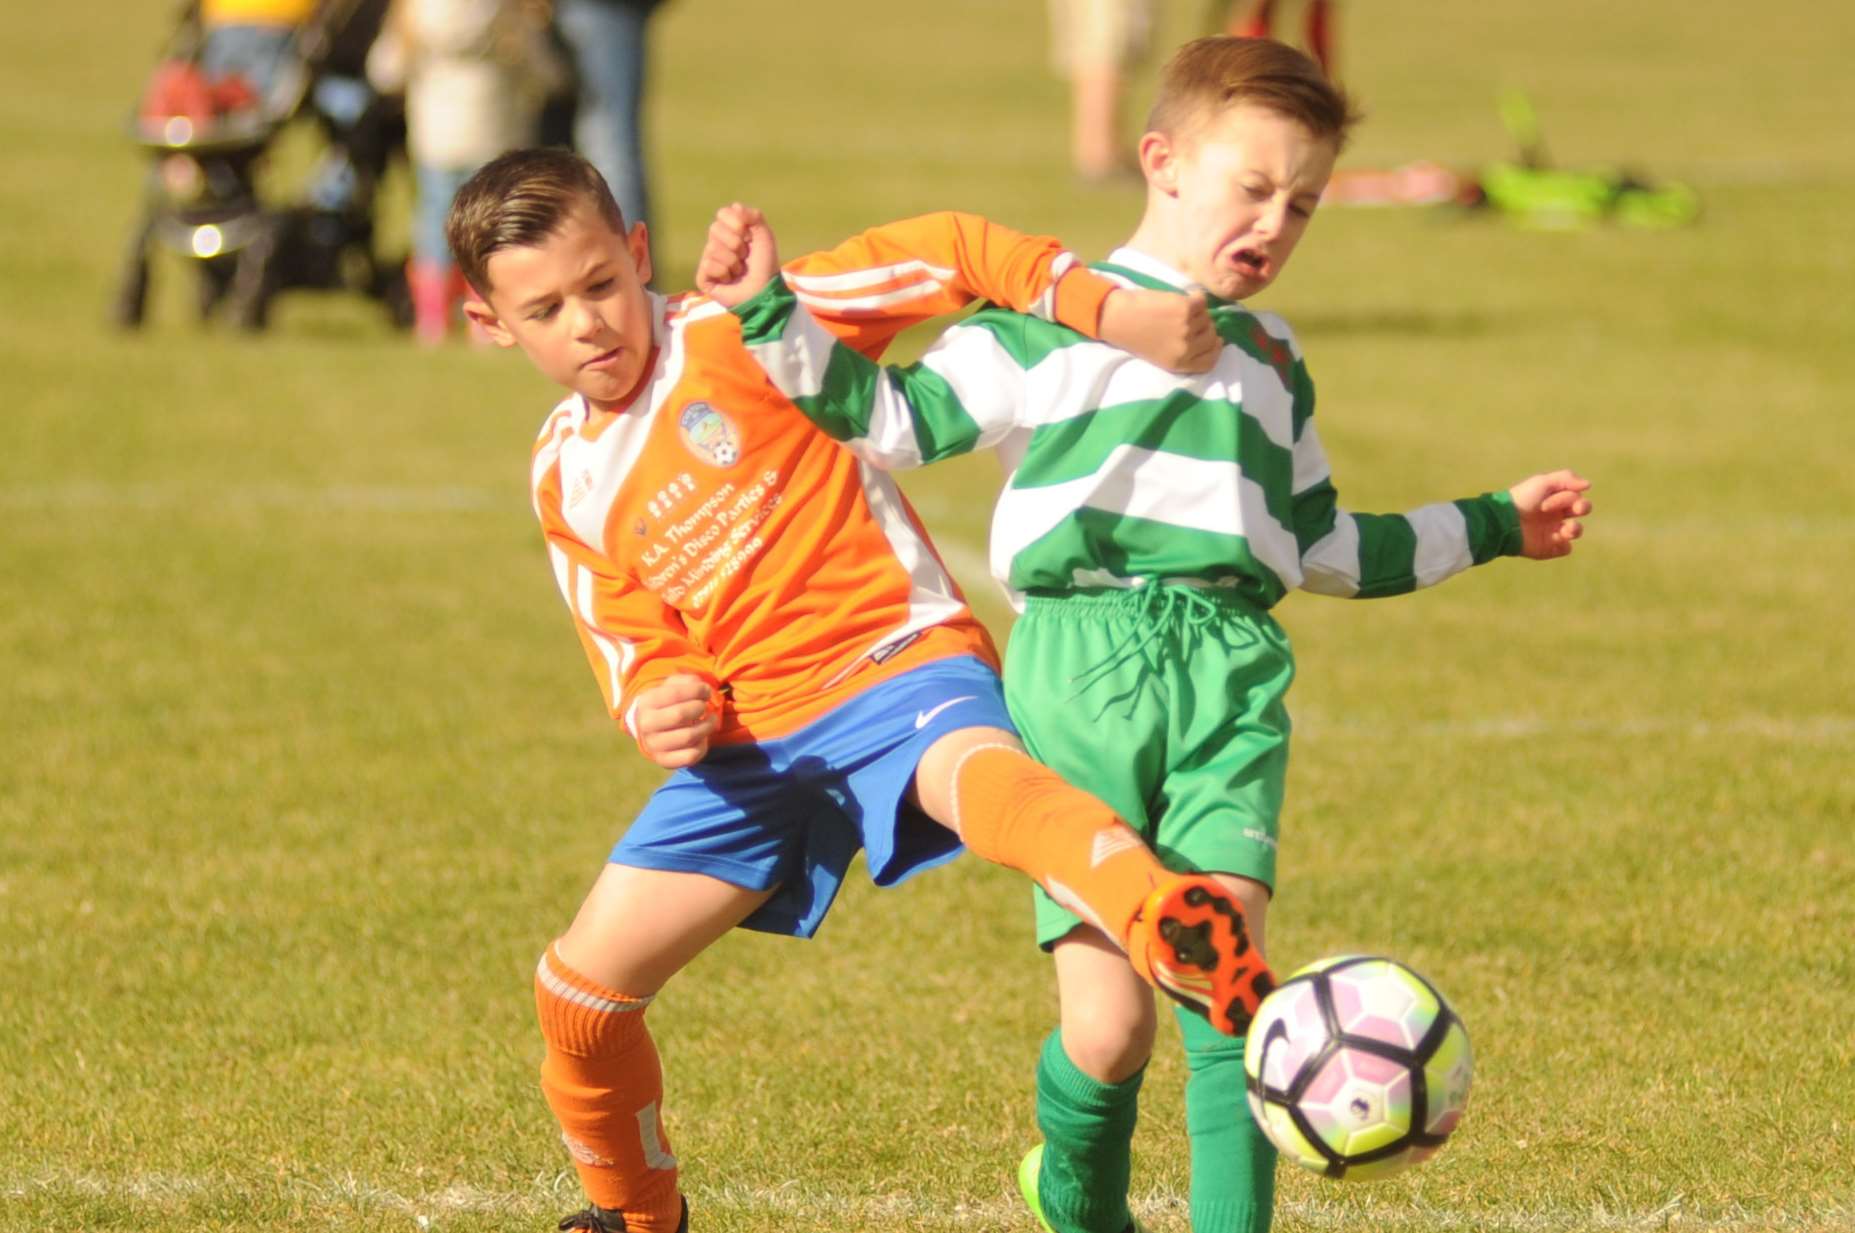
[(1118, 472)]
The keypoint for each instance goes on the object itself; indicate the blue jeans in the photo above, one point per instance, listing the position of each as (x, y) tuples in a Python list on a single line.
[(606, 39), (435, 188)]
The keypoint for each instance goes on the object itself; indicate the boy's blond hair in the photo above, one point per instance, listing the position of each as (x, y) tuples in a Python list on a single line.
[(1207, 76), (517, 200)]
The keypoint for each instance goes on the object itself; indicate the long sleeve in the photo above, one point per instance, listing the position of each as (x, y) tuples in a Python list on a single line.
[(1369, 556), (874, 285), (965, 394), (632, 638)]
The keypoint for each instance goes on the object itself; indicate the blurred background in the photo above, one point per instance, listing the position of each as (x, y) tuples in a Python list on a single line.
[(300, 765)]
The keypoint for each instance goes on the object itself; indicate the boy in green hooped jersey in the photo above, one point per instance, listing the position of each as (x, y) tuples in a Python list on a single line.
[(1148, 523)]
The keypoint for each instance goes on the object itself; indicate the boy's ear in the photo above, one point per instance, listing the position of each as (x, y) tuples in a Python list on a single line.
[(478, 310), (638, 244), (1159, 162)]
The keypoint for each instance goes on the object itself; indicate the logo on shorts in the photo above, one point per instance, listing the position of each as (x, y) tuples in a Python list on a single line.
[(710, 435), (924, 718)]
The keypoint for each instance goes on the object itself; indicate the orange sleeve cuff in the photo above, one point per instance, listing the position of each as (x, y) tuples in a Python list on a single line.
[(1080, 293)]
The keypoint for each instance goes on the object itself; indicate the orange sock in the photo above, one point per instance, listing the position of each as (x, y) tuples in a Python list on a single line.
[(604, 1083), (1014, 811)]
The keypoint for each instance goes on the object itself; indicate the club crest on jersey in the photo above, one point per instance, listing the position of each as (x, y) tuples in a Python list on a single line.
[(710, 435)]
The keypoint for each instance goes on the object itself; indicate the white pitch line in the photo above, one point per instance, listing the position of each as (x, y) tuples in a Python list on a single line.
[(971, 569), (337, 1192), (961, 556), (371, 498), (1793, 729)]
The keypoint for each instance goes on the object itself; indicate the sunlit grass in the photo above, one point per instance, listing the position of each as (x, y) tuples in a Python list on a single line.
[(303, 767)]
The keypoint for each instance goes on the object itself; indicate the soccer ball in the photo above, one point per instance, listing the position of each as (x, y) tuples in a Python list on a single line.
[(1356, 1067)]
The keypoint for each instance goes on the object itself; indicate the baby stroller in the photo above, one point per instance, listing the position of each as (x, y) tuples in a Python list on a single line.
[(207, 129)]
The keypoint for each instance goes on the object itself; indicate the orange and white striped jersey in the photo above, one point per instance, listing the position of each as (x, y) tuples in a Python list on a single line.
[(712, 528)]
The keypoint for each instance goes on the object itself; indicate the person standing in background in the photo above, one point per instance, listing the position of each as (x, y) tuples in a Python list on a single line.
[(474, 73), (1093, 43), (1255, 19), (605, 40)]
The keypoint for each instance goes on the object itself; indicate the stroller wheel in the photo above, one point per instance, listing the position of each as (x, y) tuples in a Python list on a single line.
[(394, 294), (254, 282), (131, 303), (250, 307), (215, 278)]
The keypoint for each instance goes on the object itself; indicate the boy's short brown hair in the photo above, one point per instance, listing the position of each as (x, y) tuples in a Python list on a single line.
[(518, 199), (1209, 75)]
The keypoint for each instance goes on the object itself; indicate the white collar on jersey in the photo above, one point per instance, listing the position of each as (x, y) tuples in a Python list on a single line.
[(580, 409), (1140, 263)]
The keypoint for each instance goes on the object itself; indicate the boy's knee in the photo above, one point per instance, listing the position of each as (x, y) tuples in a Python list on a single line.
[(1111, 1041), (1109, 1058), (581, 1018), (1108, 1016), (936, 787)]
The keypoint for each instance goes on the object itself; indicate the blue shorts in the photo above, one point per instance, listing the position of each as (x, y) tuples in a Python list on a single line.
[(792, 812)]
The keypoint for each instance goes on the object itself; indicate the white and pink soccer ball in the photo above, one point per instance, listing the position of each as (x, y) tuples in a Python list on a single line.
[(1357, 1068)]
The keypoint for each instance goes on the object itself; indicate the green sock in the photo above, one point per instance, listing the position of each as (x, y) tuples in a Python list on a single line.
[(1088, 1132), (1233, 1165)]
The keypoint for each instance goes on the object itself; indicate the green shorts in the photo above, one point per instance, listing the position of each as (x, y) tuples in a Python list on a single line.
[(1166, 702)]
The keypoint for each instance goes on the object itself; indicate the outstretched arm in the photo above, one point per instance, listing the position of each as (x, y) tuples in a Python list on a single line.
[(874, 285), (1368, 556), (966, 393)]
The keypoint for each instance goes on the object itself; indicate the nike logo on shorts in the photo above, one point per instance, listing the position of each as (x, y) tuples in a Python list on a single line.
[(924, 718)]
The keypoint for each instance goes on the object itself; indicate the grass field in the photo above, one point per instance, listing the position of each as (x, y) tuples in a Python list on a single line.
[(302, 766)]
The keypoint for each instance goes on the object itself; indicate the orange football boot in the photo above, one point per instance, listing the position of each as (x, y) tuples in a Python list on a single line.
[(1191, 942)]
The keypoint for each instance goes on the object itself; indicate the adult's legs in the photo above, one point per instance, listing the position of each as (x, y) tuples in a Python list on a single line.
[(431, 273), (1095, 148), (1093, 42), (607, 40), (1320, 34), (1252, 19)]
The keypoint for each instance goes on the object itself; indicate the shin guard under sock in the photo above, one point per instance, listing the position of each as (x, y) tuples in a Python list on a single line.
[(604, 1083), (1088, 1132), (1012, 810), (1233, 1165)]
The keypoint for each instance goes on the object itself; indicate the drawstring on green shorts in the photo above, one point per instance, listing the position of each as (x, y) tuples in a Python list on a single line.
[(1154, 605)]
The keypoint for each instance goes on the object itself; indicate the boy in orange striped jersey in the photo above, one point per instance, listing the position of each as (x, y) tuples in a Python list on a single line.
[(766, 617)]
